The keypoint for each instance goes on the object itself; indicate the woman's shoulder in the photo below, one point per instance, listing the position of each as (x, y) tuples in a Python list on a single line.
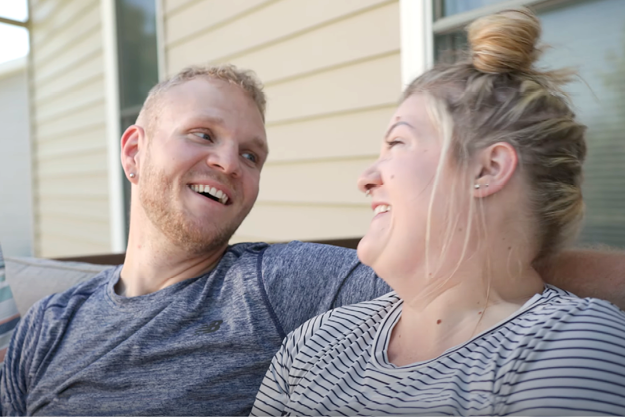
[(569, 357), (564, 306), (561, 321)]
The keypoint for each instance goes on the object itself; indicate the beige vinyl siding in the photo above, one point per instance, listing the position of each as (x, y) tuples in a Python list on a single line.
[(332, 75), (70, 183)]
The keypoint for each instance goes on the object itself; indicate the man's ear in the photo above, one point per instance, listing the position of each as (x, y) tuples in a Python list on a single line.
[(495, 166), (132, 141)]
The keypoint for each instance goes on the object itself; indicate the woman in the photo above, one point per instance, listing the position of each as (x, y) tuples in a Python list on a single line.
[(477, 182)]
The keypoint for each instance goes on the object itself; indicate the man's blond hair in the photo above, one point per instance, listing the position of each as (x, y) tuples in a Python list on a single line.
[(245, 79)]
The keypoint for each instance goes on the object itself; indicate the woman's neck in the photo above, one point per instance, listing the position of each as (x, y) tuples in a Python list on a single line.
[(443, 311)]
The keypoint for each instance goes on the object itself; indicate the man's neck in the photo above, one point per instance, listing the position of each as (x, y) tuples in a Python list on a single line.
[(154, 264)]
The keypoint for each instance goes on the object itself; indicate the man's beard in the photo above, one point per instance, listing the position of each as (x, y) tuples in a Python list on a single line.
[(157, 196)]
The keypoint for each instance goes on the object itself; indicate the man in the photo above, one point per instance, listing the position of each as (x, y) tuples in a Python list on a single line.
[(188, 325)]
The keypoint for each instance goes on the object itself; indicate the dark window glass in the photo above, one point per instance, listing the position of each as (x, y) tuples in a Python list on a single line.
[(445, 8), (138, 65), (588, 36), (450, 47)]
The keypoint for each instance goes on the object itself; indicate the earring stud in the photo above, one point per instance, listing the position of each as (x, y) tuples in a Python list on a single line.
[(368, 193), (476, 186), (132, 175)]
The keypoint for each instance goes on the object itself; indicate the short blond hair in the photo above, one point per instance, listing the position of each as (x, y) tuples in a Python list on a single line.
[(245, 79)]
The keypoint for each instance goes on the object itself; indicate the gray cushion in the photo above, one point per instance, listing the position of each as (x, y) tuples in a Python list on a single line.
[(31, 279)]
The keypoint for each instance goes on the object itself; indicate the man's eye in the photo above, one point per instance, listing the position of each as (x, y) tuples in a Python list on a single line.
[(204, 135), (250, 156)]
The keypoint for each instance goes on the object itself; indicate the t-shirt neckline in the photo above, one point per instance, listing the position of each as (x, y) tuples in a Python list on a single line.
[(379, 348)]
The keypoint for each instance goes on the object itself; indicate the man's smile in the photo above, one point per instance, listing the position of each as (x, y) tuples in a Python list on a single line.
[(213, 193)]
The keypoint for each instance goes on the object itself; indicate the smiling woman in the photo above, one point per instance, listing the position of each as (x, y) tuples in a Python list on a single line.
[(478, 182)]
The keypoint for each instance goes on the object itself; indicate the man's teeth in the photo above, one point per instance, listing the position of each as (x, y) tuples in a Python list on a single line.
[(218, 194), (382, 208)]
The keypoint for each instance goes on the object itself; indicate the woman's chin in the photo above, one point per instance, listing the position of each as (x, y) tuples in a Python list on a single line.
[(368, 250)]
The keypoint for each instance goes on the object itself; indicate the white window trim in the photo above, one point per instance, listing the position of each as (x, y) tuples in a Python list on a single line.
[(416, 42), (113, 134)]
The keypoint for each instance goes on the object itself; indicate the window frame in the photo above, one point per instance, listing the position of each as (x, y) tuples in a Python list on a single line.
[(449, 24)]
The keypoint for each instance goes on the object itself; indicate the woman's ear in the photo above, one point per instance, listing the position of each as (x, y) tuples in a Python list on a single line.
[(495, 166), (131, 143)]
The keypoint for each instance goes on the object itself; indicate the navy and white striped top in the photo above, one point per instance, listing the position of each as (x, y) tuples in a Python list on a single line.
[(558, 355)]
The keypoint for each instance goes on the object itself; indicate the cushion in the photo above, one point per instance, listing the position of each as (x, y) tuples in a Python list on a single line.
[(31, 279), (9, 316)]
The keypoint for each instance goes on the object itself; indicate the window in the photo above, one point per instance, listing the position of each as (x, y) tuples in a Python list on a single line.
[(13, 22), (588, 35), (138, 64)]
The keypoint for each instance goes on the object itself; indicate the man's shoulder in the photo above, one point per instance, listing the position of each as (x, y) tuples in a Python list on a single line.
[(306, 253), (84, 289), (295, 256)]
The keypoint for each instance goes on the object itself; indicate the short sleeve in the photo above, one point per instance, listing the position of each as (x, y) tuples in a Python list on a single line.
[(576, 367), (18, 361), (303, 280)]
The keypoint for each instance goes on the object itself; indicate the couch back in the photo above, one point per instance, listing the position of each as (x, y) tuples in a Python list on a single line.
[(31, 279)]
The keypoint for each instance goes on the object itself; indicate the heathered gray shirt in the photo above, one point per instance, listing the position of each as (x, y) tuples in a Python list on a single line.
[(198, 347)]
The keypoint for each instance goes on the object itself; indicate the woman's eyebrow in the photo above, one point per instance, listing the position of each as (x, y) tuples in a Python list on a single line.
[(401, 122)]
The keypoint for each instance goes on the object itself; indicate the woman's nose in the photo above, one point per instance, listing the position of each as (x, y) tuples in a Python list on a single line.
[(369, 179)]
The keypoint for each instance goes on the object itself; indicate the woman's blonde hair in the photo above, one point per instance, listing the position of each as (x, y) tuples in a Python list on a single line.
[(497, 95)]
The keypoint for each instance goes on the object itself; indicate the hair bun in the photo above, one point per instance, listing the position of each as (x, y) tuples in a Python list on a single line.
[(505, 41)]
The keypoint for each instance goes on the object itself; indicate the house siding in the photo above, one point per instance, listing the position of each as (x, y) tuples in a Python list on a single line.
[(68, 127), (332, 75)]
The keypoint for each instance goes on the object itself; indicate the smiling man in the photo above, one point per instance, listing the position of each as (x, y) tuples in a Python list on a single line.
[(189, 325)]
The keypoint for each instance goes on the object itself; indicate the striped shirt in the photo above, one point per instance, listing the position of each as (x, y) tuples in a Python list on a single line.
[(558, 355)]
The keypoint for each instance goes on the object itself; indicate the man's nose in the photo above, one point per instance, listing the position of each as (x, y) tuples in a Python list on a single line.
[(225, 158)]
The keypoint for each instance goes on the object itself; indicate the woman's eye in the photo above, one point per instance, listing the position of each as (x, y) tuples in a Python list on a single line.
[(391, 143), (204, 135), (250, 156)]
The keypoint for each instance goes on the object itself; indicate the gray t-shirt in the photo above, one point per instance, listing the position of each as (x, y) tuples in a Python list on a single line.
[(198, 347)]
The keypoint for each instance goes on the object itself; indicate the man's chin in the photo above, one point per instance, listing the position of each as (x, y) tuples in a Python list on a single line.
[(197, 238)]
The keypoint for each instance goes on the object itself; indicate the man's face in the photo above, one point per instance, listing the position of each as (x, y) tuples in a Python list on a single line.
[(200, 170)]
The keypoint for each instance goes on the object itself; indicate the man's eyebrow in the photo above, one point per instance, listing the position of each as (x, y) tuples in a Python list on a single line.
[(261, 144), (211, 119), (401, 122)]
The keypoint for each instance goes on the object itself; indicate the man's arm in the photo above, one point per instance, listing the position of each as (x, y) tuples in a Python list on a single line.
[(18, 360), (589, 273), (302, 280)]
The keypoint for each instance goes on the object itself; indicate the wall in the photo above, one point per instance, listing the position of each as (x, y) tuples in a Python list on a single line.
[(15, 174), (71, 207), (332, 76)]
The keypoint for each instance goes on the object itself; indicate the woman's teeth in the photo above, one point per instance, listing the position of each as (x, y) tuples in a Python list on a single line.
[(382, 208)]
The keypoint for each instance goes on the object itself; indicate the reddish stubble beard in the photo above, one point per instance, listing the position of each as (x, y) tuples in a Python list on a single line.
[(195, 235)]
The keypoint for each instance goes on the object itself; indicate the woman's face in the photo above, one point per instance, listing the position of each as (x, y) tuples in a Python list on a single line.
[(400, 184)]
